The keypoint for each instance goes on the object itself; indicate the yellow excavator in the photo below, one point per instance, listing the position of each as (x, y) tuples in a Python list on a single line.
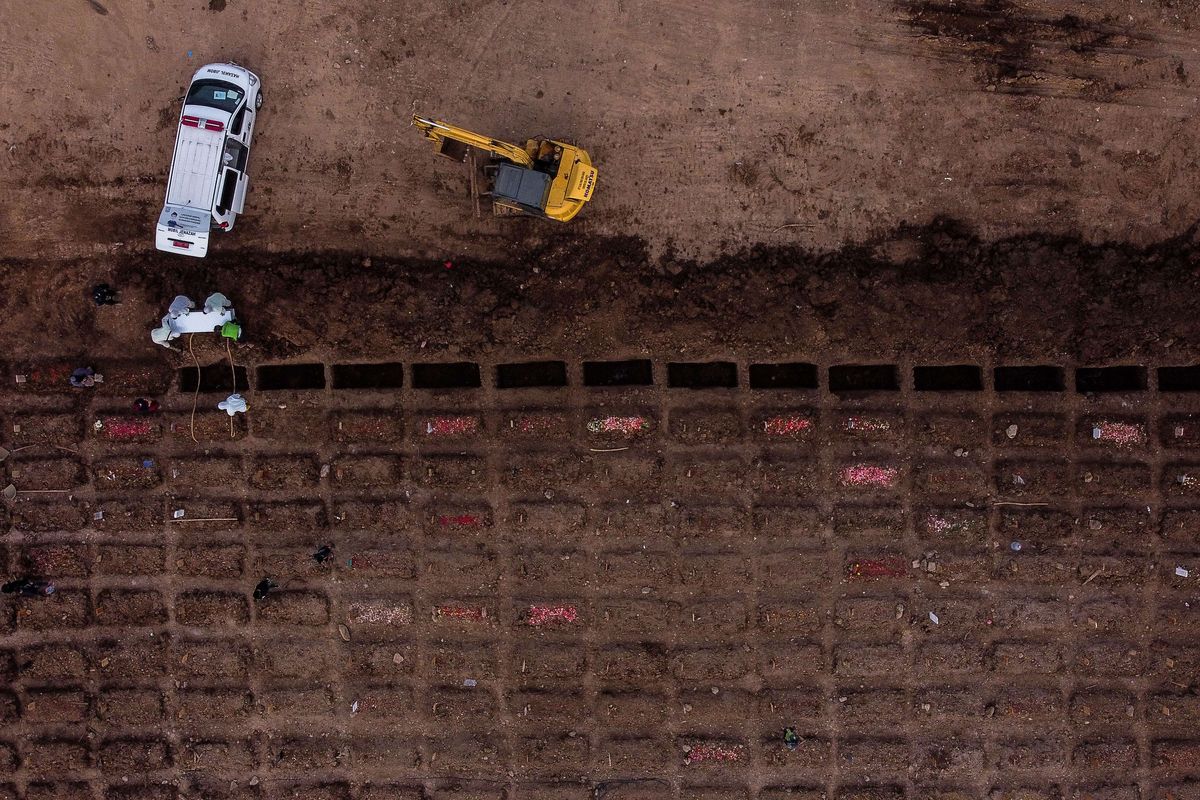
[(543, 179)]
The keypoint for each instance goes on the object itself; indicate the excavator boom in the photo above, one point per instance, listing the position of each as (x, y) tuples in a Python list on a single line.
[(439, 131)]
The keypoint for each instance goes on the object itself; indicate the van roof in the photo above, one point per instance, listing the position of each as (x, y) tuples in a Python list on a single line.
[(196, 164), (226, 71)]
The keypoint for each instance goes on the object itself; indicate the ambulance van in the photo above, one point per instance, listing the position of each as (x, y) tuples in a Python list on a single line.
[(207, 185)]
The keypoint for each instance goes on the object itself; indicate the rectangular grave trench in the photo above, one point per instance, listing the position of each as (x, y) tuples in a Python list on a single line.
[(794, 375), (275, 377), (531, 374), (864, 378), (950, 378), (1179, 379), (634, 372), (702, 375), (1033, 378), (213, 378), (388, 375), (454, 375), (1095, 380)]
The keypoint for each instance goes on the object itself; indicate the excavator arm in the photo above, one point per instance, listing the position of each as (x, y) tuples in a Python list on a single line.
[(441, 131), (545, 178)]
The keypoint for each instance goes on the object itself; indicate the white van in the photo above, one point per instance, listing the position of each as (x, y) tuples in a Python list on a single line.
[(207, 186)]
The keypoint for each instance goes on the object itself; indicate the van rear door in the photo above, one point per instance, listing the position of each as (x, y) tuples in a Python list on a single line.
[(239, 195), (183, 230)]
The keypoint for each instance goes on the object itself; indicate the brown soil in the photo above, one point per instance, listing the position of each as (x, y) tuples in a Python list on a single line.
[(722, 579), (616, 593), (714, 127)]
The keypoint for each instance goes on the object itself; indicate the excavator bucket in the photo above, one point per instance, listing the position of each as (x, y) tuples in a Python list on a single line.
[(454, 150)]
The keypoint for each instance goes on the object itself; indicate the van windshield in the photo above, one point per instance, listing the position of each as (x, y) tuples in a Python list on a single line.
[(214, 94)]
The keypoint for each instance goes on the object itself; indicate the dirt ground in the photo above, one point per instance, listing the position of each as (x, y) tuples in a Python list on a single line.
[(713, 124), (627, 592)]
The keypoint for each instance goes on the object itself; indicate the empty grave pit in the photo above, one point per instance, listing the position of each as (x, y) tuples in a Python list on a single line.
[(213, 378), (1179, 379), (791, 375), (702, 375), (271, 377), (864, 378), (1095, 380), (632, 372), (387, 375), (531, 374), (1030, 378), (449, 375), (950, 378)]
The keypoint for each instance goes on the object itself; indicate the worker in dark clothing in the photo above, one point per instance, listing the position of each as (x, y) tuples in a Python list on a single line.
[(26, 587), (323, 553), (104, 295), (142, 406), (264, 588), (83, 378)]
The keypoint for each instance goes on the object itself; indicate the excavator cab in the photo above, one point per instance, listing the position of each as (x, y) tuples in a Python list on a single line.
[(546, 178), (523, 189)]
